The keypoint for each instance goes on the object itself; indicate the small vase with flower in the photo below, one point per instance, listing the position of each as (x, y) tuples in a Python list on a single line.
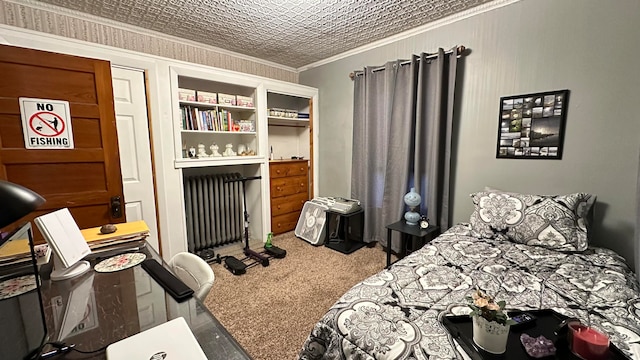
[(491, 324)]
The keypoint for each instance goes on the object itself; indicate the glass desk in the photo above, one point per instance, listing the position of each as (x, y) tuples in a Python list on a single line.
[(97, 309)]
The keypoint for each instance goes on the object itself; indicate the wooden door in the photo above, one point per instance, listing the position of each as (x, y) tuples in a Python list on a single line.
[(85, 179)]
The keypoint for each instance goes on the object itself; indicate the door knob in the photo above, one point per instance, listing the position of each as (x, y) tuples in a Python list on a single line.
[(116, 207)]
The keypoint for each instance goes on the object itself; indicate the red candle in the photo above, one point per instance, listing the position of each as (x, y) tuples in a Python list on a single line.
[(588, 343)]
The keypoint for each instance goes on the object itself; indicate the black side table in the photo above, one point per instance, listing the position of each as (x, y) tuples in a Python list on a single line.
[(344, 232), (414, 232)]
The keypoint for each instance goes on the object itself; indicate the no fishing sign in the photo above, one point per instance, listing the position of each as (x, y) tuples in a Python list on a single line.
[(46, 124)]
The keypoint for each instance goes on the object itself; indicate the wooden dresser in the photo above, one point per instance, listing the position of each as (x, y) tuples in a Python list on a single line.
[(289, 182)]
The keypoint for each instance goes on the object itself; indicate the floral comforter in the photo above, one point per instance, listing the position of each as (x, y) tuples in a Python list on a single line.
[(396, 313)]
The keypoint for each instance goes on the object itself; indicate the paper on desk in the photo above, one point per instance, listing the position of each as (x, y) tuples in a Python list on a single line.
[(126, 232), (18, 251), (15, 249)]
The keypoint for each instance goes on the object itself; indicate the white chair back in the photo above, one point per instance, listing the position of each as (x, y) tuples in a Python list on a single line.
[(194, 272)]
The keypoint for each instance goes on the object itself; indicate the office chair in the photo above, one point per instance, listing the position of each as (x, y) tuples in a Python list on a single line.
[(194, 272)]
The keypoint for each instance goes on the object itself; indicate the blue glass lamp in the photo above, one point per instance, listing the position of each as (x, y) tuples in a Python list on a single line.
[(413, 200)]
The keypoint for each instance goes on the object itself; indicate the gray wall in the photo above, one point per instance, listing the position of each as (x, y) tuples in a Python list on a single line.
[(587, 46)]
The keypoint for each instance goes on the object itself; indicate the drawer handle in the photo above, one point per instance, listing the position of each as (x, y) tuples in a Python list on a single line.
[(301, 184), (279, 207), (278, 171), (301, 169)]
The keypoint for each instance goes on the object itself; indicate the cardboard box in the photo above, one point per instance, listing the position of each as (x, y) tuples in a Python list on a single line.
[(186, 95), (226, 99), (207, 97), (244, 101), (277, 112), (247, 125), (293, 114)]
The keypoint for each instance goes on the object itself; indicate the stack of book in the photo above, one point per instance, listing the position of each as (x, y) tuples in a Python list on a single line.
[(18, 251), (126, 232)]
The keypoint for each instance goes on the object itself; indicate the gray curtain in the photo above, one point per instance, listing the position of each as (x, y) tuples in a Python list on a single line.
[(637, 235), (402, 126)]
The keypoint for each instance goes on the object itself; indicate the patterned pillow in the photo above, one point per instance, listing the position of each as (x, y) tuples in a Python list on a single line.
[(555, 222)]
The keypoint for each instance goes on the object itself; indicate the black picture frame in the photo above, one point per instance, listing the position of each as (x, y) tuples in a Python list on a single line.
[(531, 126)]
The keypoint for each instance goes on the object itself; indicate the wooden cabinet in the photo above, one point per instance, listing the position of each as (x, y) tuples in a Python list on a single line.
[(289, 185)]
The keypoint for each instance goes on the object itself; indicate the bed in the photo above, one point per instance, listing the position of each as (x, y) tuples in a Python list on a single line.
[(530, 250)]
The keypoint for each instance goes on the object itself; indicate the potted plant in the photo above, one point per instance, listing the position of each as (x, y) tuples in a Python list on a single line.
[(490, 322)]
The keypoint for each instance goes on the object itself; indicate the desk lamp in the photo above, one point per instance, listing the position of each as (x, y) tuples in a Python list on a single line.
[(16, 201), (27, 328)]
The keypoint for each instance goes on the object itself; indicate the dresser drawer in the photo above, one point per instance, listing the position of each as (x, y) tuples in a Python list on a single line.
[(286, 204), (284, 223), (289, 186), (282, 169)]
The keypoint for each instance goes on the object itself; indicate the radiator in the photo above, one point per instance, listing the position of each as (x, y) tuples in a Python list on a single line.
[(214, 210)]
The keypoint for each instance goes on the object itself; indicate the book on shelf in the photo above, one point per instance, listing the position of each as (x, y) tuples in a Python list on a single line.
[(224, 120), (193, 118)]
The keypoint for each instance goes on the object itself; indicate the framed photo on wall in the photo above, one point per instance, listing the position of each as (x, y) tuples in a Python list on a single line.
[(531, 126)]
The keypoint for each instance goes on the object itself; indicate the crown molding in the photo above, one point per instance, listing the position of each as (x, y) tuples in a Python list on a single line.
[(107, 22), (492, 5)]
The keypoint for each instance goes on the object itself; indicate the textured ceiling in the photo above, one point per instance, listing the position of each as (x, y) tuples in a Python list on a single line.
[(288, 32)]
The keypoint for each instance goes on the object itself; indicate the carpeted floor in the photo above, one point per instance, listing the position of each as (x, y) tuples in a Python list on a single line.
[(271, 310)]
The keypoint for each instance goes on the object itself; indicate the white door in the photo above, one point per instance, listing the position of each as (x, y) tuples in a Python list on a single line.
[(130, 102)]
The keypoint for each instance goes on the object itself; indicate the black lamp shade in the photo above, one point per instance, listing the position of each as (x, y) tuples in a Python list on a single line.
[(16, 201)]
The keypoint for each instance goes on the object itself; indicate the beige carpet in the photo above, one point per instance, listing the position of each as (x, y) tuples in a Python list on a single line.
[(271, 310)]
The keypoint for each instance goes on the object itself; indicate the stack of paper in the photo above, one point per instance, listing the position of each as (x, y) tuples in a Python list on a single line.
[(126, 232), (17, 251)]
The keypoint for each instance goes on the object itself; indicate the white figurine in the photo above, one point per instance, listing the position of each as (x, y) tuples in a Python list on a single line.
[(242, 149), (214, 150), (201, 152), (192, 152), (228, 151)]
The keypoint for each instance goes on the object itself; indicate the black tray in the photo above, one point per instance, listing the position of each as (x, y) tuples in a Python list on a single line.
[(547, 321)]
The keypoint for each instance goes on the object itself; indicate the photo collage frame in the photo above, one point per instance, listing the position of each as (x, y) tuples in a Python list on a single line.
[(531, 126)]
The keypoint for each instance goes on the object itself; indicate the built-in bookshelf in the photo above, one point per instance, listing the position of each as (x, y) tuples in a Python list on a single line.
[(218, 123), (289, 128), (261, 120)]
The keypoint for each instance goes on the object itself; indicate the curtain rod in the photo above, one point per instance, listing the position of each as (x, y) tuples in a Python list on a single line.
[(461, 49)]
